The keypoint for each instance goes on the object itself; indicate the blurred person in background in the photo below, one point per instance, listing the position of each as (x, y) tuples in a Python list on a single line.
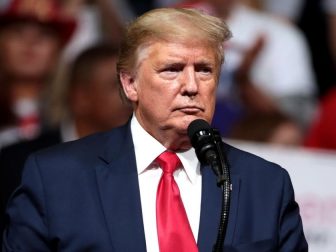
[(268, 67), (97, 20), (32, 35), (86, 95), (317, 20), (88, 102)]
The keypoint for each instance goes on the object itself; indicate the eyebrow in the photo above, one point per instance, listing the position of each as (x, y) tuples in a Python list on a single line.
[(205, 63), (170, 62)]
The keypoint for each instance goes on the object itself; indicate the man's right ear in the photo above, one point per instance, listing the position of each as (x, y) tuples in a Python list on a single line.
[(129, 86)]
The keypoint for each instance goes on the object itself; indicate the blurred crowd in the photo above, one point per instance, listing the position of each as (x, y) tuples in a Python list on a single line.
[(277, 84), (58, 77)]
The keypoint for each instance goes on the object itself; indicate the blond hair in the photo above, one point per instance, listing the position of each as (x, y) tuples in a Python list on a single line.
[(171, 25)]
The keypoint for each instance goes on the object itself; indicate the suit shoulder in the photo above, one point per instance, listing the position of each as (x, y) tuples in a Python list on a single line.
[(83, 151), (82, 146)]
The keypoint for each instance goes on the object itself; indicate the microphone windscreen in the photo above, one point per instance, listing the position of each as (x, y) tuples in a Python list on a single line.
[(196, 126)]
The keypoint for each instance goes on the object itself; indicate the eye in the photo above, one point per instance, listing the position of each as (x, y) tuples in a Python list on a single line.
[(171, 71), (204, 69)]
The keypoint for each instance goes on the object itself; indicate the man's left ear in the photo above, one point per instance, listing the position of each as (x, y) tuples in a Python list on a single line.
[(129, 87)]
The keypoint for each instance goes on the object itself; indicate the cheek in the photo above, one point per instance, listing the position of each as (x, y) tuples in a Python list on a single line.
[(209, 91), (11, 53), (97, 111), (209, 98), (153, 105), (160, 99), (48, 53), (146, 90), (15, 49), (155, 94)]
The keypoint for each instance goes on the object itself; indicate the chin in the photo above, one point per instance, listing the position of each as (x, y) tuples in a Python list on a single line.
[(180, 124), (190, 118), (183, 124)]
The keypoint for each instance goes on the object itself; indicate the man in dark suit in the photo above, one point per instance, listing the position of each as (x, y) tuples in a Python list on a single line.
[(106, 192)]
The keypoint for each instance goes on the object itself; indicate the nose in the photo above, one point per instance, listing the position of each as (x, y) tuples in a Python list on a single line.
[(31, 34), (189, 82)]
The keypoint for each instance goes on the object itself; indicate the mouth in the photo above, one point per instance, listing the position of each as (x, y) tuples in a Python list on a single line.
[(190, 110)]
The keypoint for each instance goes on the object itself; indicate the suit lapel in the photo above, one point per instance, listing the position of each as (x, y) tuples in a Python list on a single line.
[(211, 210), (117, 181)]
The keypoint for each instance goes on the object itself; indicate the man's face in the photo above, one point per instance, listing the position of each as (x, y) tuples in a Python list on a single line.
[(28, 50), (174, 84)]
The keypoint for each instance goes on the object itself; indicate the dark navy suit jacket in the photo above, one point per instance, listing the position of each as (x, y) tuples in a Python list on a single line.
[(84, 196)]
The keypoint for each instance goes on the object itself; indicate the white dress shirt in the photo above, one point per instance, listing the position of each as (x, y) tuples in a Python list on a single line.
[(189, 180)]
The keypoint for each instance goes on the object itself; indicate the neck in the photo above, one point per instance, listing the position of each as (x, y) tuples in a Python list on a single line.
[(175, 142), (83, 128), (25, 89)]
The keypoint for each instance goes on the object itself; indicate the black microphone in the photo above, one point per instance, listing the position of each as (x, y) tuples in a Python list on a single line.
[(209, 149), (204, 139)]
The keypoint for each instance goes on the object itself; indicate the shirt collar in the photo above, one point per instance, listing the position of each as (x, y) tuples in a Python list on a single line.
[(143, 142)]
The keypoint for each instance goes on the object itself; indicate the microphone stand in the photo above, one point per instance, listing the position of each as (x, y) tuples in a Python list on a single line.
[(220, 166), (209, 149)]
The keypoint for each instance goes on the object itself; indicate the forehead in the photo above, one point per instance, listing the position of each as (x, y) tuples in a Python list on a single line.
[(170, 51)]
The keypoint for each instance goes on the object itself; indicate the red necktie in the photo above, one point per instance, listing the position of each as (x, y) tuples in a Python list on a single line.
[(173, 227)]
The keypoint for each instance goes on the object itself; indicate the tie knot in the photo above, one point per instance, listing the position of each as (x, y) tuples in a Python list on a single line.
[(168, 161)]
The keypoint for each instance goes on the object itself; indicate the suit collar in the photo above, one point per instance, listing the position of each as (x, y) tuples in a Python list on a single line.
[(118, 185), (117, 180), (117, 143)]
